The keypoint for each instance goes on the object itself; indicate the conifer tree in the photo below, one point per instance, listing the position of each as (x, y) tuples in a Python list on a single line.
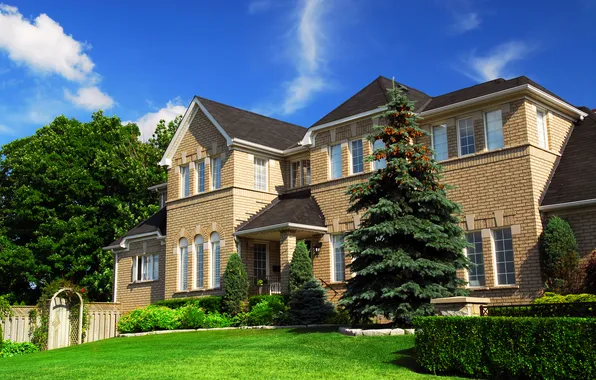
[(235, 285), (300, 267), (409, 244)]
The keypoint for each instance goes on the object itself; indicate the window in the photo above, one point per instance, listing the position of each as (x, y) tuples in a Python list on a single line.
[(162, 199), (260, 261), (200, 176), (183, 285), (503, 246), (295, 174), (199, 262), (335, 161), (305, 172), (215, 173), (474, 253), (184, 181), (146, 268), (260, 174), (465, 132), (382, 163), (494, 129), (439, 142), (338, 259), (215, 261), (357, 156), (542, 134), (300, 173)]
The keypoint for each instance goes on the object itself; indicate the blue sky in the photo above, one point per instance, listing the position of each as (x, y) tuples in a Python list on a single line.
[(293, 60)]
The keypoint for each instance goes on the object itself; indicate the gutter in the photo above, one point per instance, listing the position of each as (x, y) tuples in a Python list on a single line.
[(280, 226), (562, 206)]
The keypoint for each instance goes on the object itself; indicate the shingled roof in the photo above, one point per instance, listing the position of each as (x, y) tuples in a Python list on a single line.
[(374, 95), (249, 126), (299, 208), (574, 179), (155, 223)]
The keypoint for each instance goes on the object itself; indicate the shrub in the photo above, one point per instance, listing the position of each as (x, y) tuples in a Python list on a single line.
[(340, 316), (236, 285), (559, 254), (215, 320), (150, 318), (266, 313), (191, 317), (271, 299), (309, 305), (300, 267), (550, 297), (10, 349), (506, 347), (211, 304), (590, 275)]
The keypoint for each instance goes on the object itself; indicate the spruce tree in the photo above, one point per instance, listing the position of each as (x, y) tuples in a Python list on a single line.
[(559, 254), (409, 244), (300, 267), (308, 304), (236, 285)]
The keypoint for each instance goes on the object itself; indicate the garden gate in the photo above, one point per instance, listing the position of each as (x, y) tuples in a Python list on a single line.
[(65, 325)]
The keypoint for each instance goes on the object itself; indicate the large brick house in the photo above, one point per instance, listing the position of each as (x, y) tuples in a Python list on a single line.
[(242, 182)]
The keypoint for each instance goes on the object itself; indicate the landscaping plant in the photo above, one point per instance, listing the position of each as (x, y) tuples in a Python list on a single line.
[(559, 254), (235, 285), (300, 267), (409, 244), (590, 275), (211, 304), (10, 349), (308, 304)]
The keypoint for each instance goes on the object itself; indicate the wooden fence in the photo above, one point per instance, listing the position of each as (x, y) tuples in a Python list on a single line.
[(103, 321)]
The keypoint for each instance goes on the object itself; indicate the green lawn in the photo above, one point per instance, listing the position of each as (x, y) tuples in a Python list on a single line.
[(254, 354)]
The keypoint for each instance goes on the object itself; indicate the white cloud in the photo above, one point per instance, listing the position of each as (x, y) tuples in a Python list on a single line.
[(148, 122), (495, 64), (90, 98), (4, 130), (465, 22), (259, 6), (42, 45)]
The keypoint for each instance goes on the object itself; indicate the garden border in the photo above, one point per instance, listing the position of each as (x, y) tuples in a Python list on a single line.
[(157, 332)]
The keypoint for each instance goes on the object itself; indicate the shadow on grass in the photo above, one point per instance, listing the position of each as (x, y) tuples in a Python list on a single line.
[(407, 359), (316, 330)]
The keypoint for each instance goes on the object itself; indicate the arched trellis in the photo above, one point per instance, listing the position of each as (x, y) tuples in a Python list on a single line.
[(52, 316)]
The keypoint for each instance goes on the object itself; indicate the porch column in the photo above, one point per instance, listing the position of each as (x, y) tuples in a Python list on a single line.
[(287, 244)]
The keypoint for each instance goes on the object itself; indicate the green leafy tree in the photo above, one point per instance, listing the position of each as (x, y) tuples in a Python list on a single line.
[(235, 285), (66, 192), (308, 304), (559, 254), (409, 243), (300, 267)]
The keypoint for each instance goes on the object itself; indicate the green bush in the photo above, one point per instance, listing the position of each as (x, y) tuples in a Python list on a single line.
[(10, 349), (300, 267), (215, 320), (271, 299), (559, 254), (549, 297), (309, 305), (590, 275), (191, 317), (211, 304), (340, 316), (508, 347), (267, 313), (235, 285), (150, 318)]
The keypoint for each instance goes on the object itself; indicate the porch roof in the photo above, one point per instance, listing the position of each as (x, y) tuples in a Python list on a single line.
[(298, 210)]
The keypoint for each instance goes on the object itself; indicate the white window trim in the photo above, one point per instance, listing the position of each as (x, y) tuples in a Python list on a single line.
[(197, 178), (485, 121), (266, 172), (467, 272), (545, 121), (196, 262), (182, 181), (330, 159), (266, 243), (432, 138), (459, 153), (211, 172), (212, 262), (180, 266), (494, 257), (350, 157), (332, 245), (135, 267), (292, 174)]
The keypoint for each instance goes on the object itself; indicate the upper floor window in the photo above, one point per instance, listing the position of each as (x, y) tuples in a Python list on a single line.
[(200, 176), (439, 141), (476, 272), (305, 172), (146, 268), (260, 174), (541, 124), (215, 261), (503, 246), (199, 262), (215, 173), (382, 163), (494, 129), (184, 181), (357, 156), (183, 268), (300, 173), (338, 259), (335, 161), (465, 133)]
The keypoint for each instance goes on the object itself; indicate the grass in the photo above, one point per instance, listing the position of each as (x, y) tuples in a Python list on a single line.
[(240, 354)]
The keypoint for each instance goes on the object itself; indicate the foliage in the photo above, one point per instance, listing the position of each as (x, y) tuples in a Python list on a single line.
[(590, 275), (308, 304), (66, 192), (300, 267), (340, 316), (216, 320), (211, 304), (409, 244), (273, 299), (9, 349), (5, 309), (506, 347), (191, 317), (235, 285), (559, 254), (266, 313), (550, 297), (149, 319)]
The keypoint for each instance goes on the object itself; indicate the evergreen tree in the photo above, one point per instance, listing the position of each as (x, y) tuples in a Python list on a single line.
[(559, 254), (300, 267), (235, 284), (409, 243), (308, 304)]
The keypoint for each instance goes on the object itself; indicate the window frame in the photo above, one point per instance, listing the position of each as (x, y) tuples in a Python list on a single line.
[(485, 120), (184, 181), (545, 127), (198, 183), (266, 166), (196, 265), (138, 260), (214, 281), (266, 244), (331, 161), (303, 178), (351, 150), (334, 259), (183, 279), (476, 253), (459, 146), (496, 264), (212, 170), (432, 141)]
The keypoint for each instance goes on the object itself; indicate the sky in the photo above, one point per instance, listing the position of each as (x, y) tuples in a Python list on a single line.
[(292, 60)]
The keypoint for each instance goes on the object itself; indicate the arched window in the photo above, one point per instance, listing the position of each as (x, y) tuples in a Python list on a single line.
[(199, 262), (183, 264), (215, 261)]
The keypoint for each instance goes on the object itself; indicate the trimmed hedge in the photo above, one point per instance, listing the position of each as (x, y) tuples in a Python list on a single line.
[(211, 304), (508, 347), (549, 297)]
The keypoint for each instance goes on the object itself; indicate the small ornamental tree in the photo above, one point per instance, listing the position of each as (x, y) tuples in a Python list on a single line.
[(300, 267), (308, 304), (590, 275), (559, 254), (236, 285), (409, 244)]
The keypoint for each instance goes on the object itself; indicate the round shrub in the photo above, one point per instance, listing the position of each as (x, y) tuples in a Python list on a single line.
[(300, 267), (276, 299), (266, 313), (11, 349), (216, 320), (150, 318), (236, 285)]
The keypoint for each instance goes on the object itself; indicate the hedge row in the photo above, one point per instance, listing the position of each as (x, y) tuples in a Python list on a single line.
[(549, 297), (508, 347), (213, 304)]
